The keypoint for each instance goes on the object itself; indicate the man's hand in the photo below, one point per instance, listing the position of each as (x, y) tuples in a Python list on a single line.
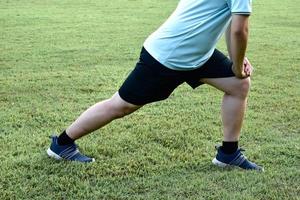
[(248, 69), (243, 72)]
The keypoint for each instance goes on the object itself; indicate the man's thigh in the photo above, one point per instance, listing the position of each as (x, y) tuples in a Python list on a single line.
[(149, 82), (230, 85), (218, 66)]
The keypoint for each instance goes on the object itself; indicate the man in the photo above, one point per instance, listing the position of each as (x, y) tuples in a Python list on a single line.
[(181, 50)]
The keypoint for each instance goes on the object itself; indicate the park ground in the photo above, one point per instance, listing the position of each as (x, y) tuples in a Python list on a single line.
[(58, 57)]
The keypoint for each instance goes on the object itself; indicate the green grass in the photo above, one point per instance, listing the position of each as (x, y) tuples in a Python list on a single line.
[(57, 57)]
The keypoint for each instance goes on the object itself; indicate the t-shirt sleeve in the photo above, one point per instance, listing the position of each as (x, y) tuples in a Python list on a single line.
[(241, 6)]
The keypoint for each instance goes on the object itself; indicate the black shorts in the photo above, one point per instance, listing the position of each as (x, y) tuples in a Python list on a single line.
[(151, 81)]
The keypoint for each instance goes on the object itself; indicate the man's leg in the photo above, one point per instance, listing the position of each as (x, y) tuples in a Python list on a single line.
[(233, 110), (233, 105), (149, 82), (99, 115)]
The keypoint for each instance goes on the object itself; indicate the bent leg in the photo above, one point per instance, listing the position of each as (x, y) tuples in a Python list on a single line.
[(233, 105), (99, 115)]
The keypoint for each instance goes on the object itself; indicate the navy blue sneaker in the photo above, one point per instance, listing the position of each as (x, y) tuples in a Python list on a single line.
[(66, 152), (236, 159)]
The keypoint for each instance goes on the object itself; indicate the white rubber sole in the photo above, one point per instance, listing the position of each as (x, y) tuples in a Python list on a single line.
[(57, 157), (220, 164), (53, 155), (224, 165)]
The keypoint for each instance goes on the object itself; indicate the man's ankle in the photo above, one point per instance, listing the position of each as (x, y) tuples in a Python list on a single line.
[(229, 147), (64, 139)]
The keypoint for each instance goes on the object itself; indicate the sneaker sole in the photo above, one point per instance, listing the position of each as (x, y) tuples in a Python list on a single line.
[(220, 164), (53, 155), (57, 157), (224, 165)]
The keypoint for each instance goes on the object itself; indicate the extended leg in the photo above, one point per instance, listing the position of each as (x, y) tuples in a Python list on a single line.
[(99, 115)]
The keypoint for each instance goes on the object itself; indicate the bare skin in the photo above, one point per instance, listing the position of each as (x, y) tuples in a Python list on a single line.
[(233, 105), (99, 115), (236, 40)]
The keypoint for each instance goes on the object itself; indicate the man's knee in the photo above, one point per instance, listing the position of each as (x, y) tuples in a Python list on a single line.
[(245, 87), (242, 88), (121, 108)]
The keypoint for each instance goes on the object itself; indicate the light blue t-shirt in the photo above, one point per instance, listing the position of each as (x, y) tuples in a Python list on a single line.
[(189, 36)]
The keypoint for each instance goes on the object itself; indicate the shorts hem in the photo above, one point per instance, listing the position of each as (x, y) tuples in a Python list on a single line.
[(129, 99)]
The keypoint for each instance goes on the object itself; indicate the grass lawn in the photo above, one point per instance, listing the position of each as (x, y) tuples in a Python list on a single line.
[(58, 57)]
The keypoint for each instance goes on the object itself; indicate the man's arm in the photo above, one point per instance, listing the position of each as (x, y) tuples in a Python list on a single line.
[(237, 38)]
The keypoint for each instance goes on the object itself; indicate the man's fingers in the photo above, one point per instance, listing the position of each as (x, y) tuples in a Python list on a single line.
[(248, 70), (247, 61)]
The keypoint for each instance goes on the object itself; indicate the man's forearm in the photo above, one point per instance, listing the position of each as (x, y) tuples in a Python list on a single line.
[(238, 42), (238, 49)]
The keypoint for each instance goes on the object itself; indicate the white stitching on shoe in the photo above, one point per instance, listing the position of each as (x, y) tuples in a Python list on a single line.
[(66, 152), (238, 160)]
